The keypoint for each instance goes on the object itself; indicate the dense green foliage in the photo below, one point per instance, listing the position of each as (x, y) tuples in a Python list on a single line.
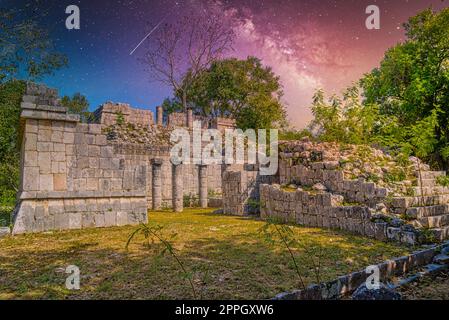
[(243, 89), (405, 102), (10, 96)]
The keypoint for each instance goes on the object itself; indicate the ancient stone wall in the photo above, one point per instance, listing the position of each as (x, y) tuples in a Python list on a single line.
[(326, 210), (240, 185), (71, 177), (327, 173), (77, 175), (108, 113)]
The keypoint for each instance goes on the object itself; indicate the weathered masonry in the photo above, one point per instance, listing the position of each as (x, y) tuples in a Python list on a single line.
[(77, 175), (329, 186)]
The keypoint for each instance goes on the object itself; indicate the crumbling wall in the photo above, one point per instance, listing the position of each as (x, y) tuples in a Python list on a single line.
[(327, 173), (326, 210), (107, 114)]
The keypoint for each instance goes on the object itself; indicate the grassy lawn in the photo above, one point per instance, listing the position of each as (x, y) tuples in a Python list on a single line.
[(227, 255)]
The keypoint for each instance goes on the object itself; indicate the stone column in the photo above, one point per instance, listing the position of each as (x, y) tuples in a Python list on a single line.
[(159, 115), (202, 172), (190, 118), (156, 183), (177, 188)]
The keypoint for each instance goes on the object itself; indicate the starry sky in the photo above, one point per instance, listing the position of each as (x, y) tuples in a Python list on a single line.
[(310, 44)]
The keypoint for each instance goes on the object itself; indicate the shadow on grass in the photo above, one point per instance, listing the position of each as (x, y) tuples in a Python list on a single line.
[(238, 264)]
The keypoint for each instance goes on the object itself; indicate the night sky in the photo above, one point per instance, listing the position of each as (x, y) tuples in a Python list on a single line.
[(310, 44)]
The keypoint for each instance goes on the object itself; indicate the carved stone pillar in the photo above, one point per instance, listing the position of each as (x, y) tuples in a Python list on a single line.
[(202, 173), (177, 188), (156, 183)]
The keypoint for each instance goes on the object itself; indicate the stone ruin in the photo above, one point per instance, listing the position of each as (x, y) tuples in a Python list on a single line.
[(354, 188), (107, 173)]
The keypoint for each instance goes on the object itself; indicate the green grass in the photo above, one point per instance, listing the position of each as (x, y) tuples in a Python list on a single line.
[(239, 263)]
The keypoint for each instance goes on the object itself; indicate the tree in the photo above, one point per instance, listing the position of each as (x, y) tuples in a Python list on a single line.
[(25, 47), (242, 89), (345, 120), (183, 49), (412, 81), (11, 94), (77, 104), (27, 52)]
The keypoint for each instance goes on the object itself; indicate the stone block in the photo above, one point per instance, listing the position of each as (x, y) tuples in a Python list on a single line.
[(58, 156), (380, 231), (68, 138), (44, 146), (57, 125), (92, 184), (122, 218), (94, 151), (93, 162), (75, 220), (91, 205), (105, 163), (60, 182), (69, 205), (87, 220), (100, 140), (69, 149), (59, 147), (80, 205), (56, 136), (46, 182), (99, 218), (30, 158), (62, 221), (107, 152), (44, 135), (110, 218), (94, 128)]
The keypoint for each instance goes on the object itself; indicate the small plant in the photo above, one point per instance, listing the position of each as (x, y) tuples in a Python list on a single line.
[(426, 236), (410, 192), (191, 201), (211, 193), (373, 178), (395, 175), (253, 205), (443, 181), (120, 119)]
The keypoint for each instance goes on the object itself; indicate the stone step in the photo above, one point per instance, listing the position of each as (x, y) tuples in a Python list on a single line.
[(428, 191), (427, 183), (441, 233), (435, 221), (430, 174), (400, 204), (427, 211)]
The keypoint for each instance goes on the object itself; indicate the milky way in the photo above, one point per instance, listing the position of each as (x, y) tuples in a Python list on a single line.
[(309, 44)]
